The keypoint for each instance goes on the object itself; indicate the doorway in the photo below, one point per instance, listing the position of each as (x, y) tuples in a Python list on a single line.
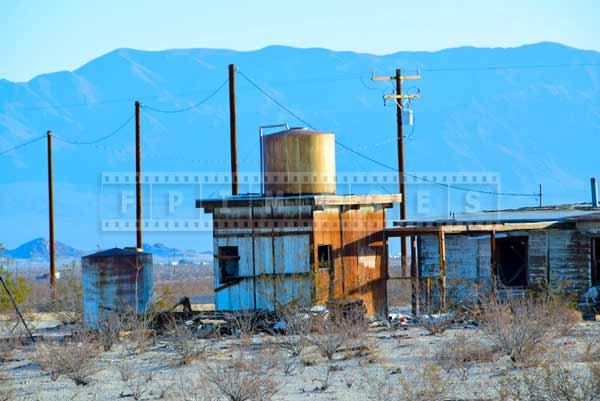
[(512, 260)]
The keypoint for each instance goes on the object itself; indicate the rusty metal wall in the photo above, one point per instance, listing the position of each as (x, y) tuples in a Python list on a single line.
[(113, 280), (357, 241)]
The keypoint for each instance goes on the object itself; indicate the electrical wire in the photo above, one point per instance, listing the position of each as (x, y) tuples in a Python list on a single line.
[(206, 99), (357, 153), (98, 139), (275, 100), (23, 144)]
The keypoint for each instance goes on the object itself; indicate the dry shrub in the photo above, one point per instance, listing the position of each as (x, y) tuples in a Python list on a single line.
[(74, 358), (297, 325), (522, 327), (554, 382), (244, 377), (68, 305), (185, 342), (425, 384), (460, 353), (339, 328), (436, 324), (135, 380)]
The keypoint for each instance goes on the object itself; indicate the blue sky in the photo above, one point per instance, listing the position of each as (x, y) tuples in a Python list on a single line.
[(39, 36)]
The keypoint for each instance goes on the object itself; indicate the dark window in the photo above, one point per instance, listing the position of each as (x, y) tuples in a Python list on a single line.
[(512, 261), (324, 257), (229, 263)]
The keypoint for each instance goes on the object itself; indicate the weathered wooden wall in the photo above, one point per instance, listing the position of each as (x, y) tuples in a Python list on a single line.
[(560, 256), (274, 247)]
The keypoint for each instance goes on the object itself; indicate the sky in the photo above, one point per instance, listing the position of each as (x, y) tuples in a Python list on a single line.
[(39, 36)]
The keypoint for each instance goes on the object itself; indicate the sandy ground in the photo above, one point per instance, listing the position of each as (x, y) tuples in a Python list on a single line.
[(394, 356)]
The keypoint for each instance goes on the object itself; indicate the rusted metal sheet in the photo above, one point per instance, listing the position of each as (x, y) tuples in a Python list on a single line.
[(115, 280), (357, 240)]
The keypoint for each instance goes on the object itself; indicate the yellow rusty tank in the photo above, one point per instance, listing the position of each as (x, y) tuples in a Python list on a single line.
[(299, 161)]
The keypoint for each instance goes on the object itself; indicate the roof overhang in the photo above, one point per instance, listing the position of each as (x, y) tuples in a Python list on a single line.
[(385, 201)]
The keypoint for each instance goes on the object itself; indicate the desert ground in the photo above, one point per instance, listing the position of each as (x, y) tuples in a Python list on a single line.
[(537, 349)]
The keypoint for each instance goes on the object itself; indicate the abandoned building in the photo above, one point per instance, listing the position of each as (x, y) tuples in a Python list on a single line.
[(297, 241), (530, 248)]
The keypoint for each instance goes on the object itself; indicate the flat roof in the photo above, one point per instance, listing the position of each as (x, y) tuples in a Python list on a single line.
[(528, 217), (247, 200)]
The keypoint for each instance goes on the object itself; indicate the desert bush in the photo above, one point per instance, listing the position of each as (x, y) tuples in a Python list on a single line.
[(436, 324), (109, 327), (185, 342), (425, 384), (18, 287), (458, 354), (522, 327), (554, 382), (68, 304), (74, 358), (135, 380), (337, 329), (244, 378), (297, 326)]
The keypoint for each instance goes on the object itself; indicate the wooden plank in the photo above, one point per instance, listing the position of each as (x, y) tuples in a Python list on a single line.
[(471, 228), (442, 254)]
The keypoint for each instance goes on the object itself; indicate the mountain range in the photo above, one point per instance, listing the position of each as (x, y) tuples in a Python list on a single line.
[(529, 114), (38, 249)]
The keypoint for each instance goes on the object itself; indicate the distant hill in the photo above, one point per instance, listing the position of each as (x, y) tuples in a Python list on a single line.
[(38, 249), (529, 113)]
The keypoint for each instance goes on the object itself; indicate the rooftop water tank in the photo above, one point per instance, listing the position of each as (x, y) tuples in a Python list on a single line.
[(115, 280), (299, 161)]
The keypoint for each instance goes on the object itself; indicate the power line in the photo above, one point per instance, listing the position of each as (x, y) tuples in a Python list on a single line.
[(23, 144), (206, 99), (96, 140), (357, 153), (275, 100)]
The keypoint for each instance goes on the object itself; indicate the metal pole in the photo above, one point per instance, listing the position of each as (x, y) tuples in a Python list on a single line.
[(233, 131), (540, 195), (594, 187), (138, 178), (51, 246), (403, 244)]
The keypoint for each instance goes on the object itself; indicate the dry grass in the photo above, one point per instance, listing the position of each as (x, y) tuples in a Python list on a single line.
[(74, 358)]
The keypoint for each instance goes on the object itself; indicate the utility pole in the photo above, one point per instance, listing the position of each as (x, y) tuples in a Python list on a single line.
[(233, 131), (51, 246), (540, 195), (398, 97), (138, 178)]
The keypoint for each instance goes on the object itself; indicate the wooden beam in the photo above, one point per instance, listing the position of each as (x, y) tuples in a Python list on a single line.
[(442, 253), (414, 276), (471, 228), (494, 271)]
